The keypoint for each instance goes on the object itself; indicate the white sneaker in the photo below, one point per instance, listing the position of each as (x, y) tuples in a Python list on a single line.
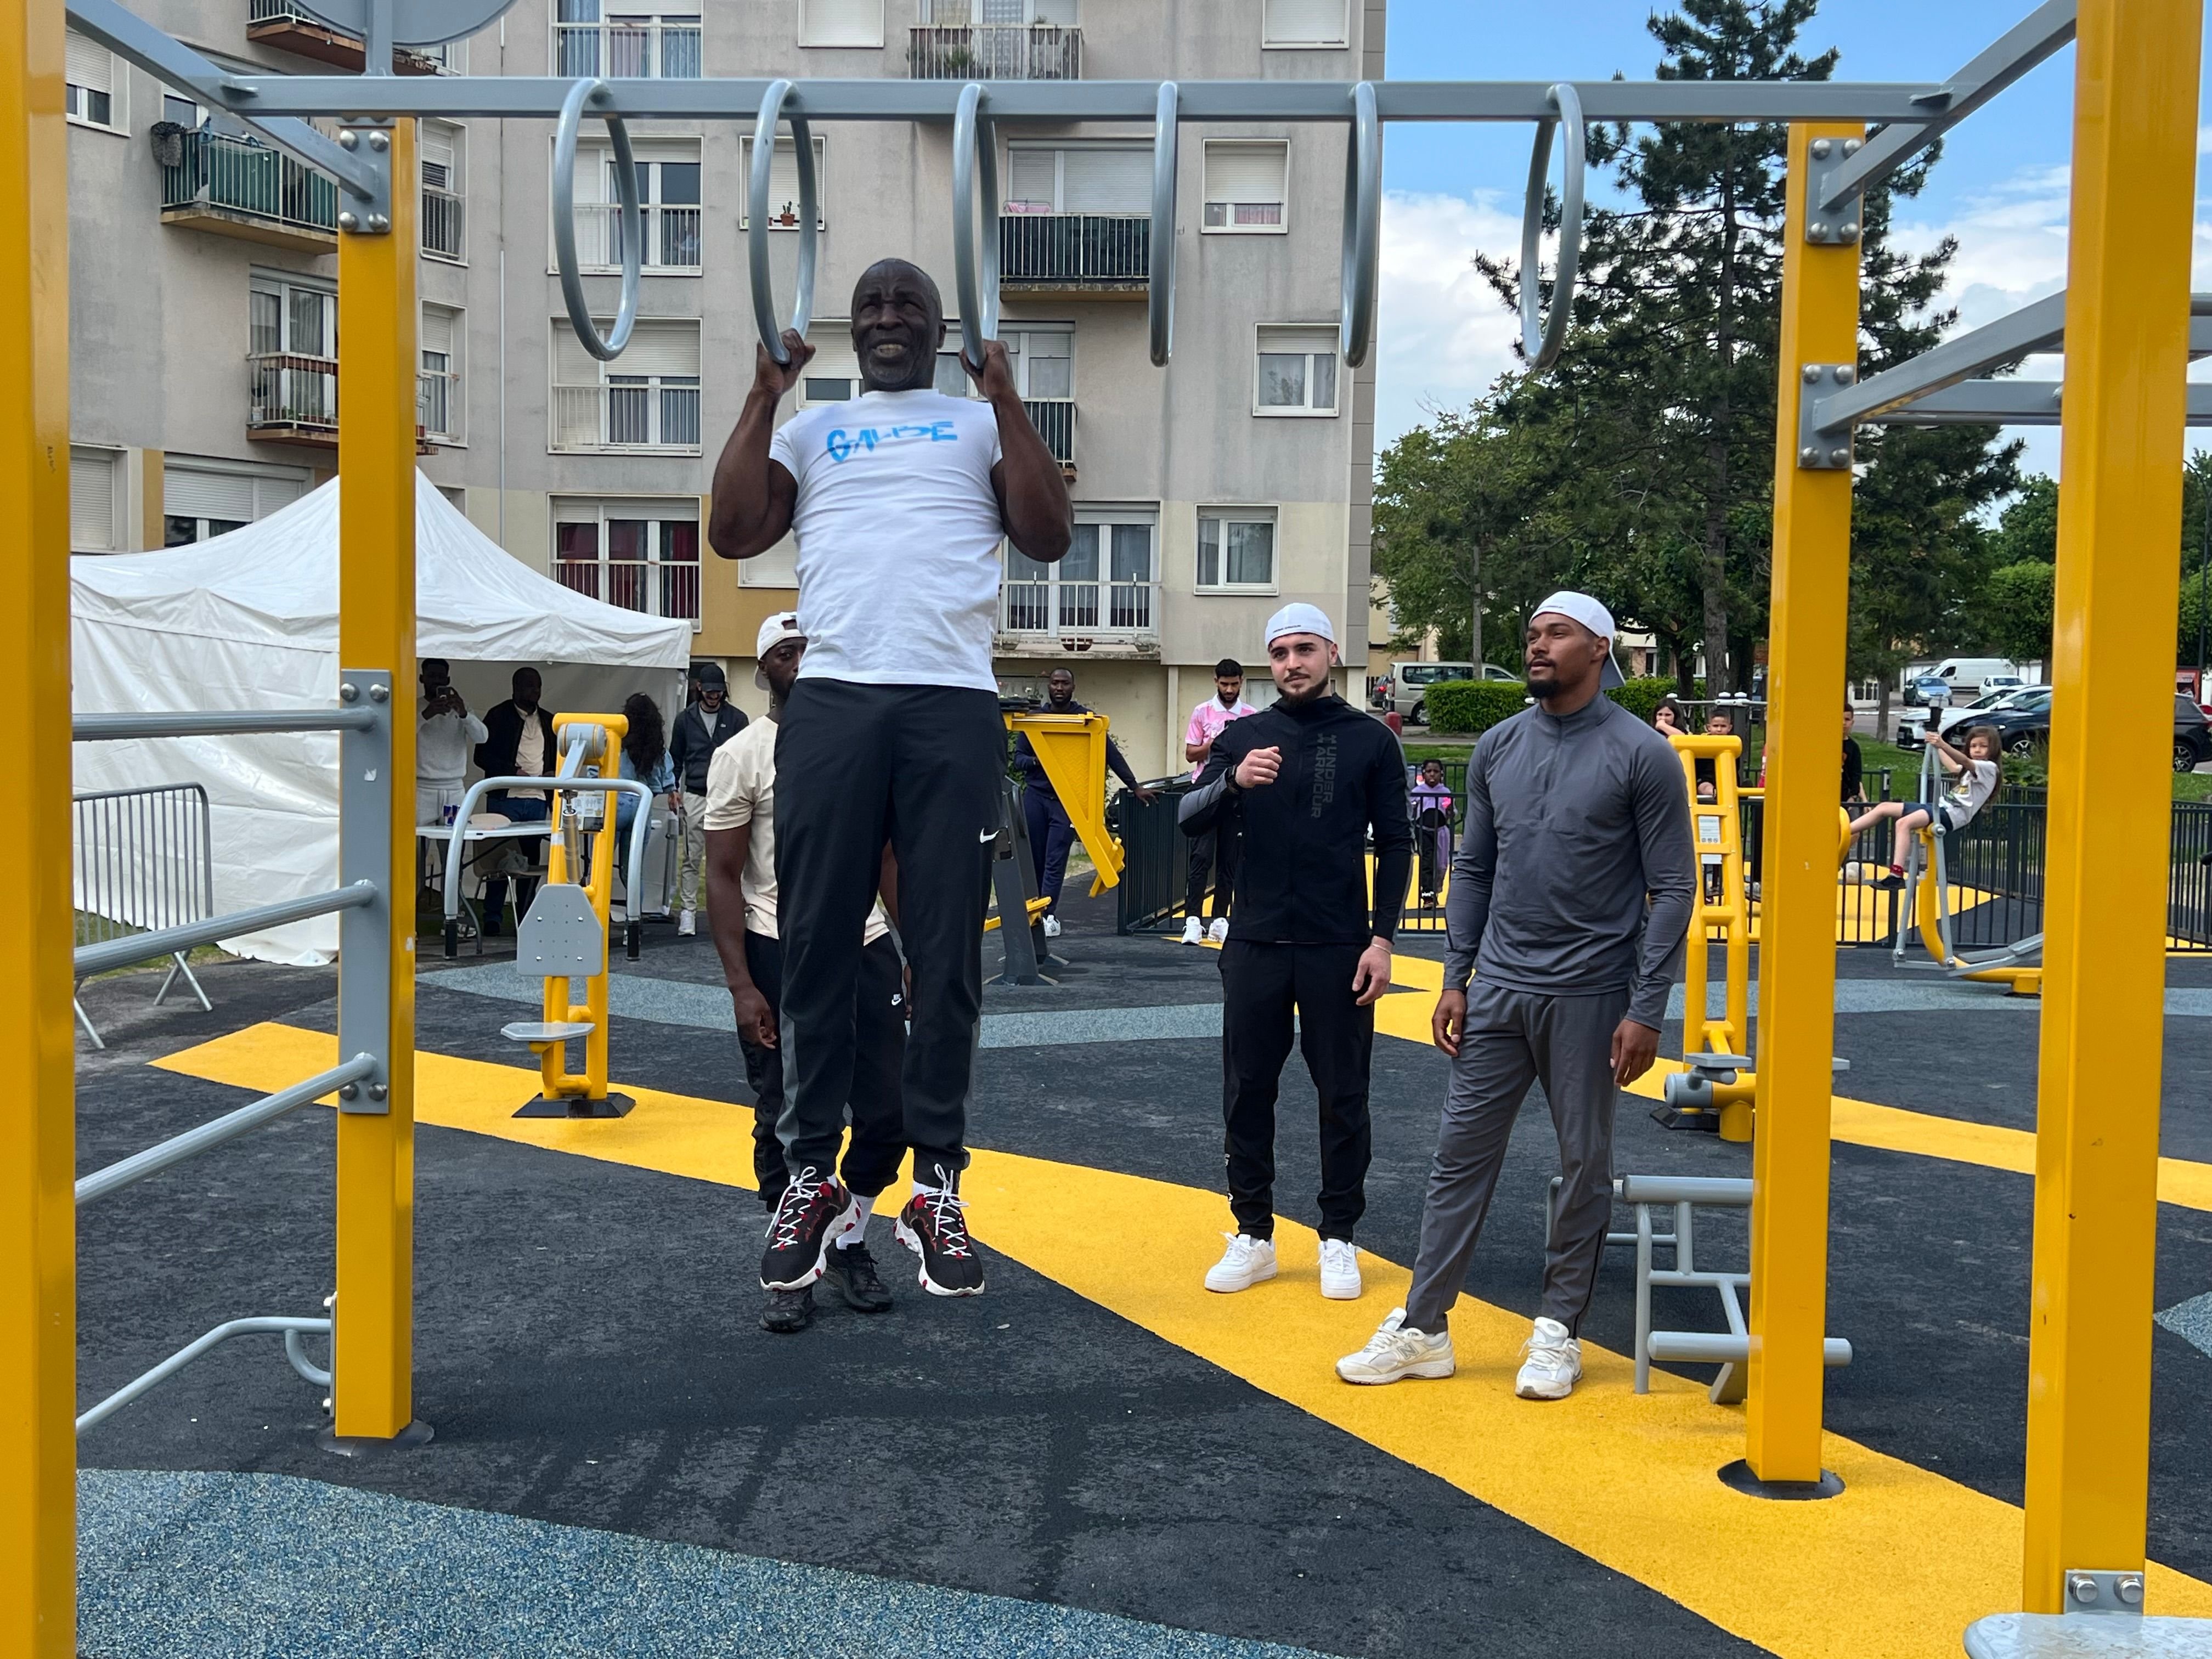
[(1554, 1364), (1339, 1270), (1246, 1262), (1219, 931), (1051, 926), (1394, 1353), (1192, 931), (688, 924)]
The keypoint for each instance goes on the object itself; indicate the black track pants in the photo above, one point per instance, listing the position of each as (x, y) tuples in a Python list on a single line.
[(1263, 986), (878, 1140), (1212, 854), (856, 765)]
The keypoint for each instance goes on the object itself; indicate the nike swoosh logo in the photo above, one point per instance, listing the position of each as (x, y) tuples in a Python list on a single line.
[(988, 834)]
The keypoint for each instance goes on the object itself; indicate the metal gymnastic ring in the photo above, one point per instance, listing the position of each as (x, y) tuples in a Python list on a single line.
[(1363, 226), (1159, 294), (757, 225), (564, 221), (974, 150), (1541, 337)]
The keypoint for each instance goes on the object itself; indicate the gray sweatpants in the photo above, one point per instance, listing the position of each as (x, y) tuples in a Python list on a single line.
[(1513, 1038)]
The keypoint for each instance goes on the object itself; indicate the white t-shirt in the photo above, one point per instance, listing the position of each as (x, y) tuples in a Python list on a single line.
[(740, 790), (442, 747), (898, 537), (1971, 791)]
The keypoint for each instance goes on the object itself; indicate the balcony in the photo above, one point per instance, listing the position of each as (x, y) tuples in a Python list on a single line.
[(995, 51), (1049, 618), (649, 417), (672, 238), (294, 400), (639, 49), (443, 226), (284, 25), (1055, 420), (438, 406), (1090, 256), (235, 187)]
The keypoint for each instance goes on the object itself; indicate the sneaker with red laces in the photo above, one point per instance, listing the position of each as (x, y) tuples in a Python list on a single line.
[(814, 1213), (934, 1226)]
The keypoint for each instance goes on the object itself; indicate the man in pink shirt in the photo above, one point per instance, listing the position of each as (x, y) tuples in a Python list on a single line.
[(1214, 852)]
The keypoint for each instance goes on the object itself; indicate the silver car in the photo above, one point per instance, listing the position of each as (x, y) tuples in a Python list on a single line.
[(1410, 681)]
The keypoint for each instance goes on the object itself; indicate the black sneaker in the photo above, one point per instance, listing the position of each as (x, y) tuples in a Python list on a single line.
[(851, 1271), (814, 1211), (788, 1312), (933, 1227), (1891, 882)]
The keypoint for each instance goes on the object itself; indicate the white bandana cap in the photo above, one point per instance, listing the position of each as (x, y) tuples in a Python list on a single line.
[(1580, 607), (1300, 619)]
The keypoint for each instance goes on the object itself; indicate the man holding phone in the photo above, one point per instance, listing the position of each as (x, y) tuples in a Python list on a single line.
[(1571, 901)]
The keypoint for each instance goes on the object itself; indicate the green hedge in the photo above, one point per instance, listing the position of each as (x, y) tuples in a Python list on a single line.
[(1472, 707)]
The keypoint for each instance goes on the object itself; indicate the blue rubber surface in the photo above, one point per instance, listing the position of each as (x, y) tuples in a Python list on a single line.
[(190, 1565)]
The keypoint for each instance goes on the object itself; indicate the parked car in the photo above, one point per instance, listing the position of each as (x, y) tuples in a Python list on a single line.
[(1971, 676), (1991, 699), (1410, 680), (2026, 723), (1927, 690), (1379, 697)]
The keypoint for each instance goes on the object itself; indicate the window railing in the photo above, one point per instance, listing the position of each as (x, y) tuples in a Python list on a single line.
[(665, 49), (442, 223), (293, 389), (671, 237), (1055, 420), (1074, 247), (646, 416), (238, 174), (1055, 607), (437, 404), (995, 51), (656, 590), (313, 38)]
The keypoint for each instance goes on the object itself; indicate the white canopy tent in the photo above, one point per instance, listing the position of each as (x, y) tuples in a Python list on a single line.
[(249, 620)]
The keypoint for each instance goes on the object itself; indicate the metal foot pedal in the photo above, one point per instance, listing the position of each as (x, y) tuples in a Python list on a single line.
[(542, 1032), (577, 1106), (1688, 1098)]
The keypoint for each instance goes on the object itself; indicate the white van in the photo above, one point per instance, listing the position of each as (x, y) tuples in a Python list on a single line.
[(1966, 674)]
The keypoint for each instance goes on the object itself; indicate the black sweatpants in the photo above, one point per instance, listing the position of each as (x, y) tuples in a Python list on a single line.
[(1051, 832), (1214, 852), (878, 1139), (1263, 986), (919, 766)]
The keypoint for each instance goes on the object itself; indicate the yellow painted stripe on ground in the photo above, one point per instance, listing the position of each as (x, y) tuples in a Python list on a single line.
[(1894, 1568)]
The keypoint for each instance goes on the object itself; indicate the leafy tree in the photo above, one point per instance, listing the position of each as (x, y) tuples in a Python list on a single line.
[(2029, 528), (2016, 600)]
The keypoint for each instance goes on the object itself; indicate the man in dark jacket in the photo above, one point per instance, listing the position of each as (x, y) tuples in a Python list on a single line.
[(697, 732), (518, 744), (1310, 779), (1051, 830)]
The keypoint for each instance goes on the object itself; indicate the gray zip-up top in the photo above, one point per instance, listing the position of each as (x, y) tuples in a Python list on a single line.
[(1570, 823)]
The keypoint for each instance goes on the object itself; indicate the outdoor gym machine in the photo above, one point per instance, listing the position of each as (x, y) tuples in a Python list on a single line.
[(2016, 966), (1715, 1094), (1071, 748)]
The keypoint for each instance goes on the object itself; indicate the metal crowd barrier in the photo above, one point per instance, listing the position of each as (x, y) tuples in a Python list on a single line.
[(362, 898), (144, 861), (1155, 855)]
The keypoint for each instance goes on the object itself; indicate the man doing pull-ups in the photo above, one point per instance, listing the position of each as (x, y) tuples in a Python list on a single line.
[(898, 499)]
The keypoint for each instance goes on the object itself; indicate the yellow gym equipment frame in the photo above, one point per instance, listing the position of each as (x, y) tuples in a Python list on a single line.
[(1717, 829), (2124, 410)]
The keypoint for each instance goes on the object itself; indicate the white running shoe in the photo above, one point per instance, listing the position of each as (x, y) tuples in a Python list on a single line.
[(1243, 1264), (688, 924), (1554, 1364), (1394, 1353), (1219, 931), (1192, 931), (1051, 926), (1339, 1270)]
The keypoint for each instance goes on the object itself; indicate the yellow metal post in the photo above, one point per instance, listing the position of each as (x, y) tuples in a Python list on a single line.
[(2119, 513), (1797, 916), (37, 1209), (376, 382)]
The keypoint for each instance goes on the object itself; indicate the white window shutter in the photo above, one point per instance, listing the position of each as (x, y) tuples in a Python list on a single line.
[(1305, 22), (93, 495), (664, 346), (572, 364), (89, 65), (1062, 12), (1298, 340), (437, 332), (187, 492), (1033, 178), (1108, 181), (1246, 171), (841, 22), (270, 494)]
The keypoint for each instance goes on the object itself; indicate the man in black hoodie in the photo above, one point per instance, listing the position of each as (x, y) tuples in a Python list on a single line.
[(1309, 779), (518, 744)]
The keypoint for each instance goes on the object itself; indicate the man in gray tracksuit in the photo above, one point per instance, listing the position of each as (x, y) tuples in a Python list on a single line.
[(1570, 899)]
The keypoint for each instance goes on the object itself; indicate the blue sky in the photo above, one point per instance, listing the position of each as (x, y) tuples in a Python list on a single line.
[(2001, 188)]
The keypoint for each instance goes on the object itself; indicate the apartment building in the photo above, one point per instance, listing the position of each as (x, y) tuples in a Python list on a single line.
[(205, 386)]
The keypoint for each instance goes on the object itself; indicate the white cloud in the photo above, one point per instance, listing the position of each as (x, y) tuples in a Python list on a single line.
[(1442, 336)]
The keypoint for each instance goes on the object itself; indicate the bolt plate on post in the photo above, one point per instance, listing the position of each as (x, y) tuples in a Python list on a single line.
[(1818, 451), (1838, 226), (365, 932), (370, 143), (2093, 1591)]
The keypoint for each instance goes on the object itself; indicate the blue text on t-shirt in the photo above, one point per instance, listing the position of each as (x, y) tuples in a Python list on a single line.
[(842, 445)]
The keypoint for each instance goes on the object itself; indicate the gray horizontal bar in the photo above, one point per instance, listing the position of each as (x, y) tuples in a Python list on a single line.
[(538, 98), (1718, 1348), (2010, 403), (205, 1137), (2038, 327), (145, 947), (218, 723), (192, 1350), (1735, 1190)]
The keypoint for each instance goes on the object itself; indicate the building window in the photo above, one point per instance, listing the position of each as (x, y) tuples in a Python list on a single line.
[(841, 22), (1095, 179), (642, 556), (1108, 583), (1237, 550), (1304, 23), (1044, 361), (96, 496), (782, 185), (292, 350), (1246, 184), (204, 499), (656, 46), (440, 404), (180, 111), (93, 85), (952, 380), (444, 154), (668, 178), (646, 399), (1297, 372)]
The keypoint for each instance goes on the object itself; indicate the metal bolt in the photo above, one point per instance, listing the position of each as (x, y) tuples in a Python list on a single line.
[(1840, 458), (348, 692), (1816, 233), (348, 139), (347, 220), (1849, 231), (349, 1092), (380, 141), (1820, 149), (379, 223), (1845, 374), (2130, 1591), (378, 1091), (380, 693), (1808, 456), (1852, 146), (2081, 1587), (1812, 373)]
